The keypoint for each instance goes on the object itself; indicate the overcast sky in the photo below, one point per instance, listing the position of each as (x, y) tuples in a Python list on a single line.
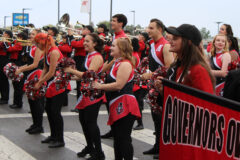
[(202, 13)]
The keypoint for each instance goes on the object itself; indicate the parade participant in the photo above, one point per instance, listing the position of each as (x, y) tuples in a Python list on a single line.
[(102, 30), (4, 84), (138, 91), (54, 97), (118, 22), (33, 57), (143, 38), (88, 109), (233, 48), (226, 29), (159, 56), (220, 58), (80, 52), (64, 46), (16, 52), (123, 105)]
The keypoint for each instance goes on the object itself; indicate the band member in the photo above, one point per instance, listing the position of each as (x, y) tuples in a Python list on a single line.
[(33, 57), (4, 84), (159, 56), (220, 58), (16, 52), (64, 46), (88, 109), (80, 52), (54, 97), (143, 44), (102, 30), (118, 22), (123, 105), (139, 91)]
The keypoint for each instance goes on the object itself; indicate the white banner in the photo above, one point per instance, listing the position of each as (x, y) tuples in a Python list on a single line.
[(85, 6)]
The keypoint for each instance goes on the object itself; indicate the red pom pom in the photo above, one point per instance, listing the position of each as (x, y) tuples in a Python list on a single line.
[(10, 69)]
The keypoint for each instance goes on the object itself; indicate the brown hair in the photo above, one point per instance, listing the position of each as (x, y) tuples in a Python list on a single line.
[(192, 55), (213, 48), (125, 48)]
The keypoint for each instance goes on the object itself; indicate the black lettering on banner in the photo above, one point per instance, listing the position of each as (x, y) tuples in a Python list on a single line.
[(167, 120), (185, 123), (174, 121), (191, 123), (220, 139), (212, 133), (205, 128), (231, 137), (237, 142), (198, 127), (180, 118)]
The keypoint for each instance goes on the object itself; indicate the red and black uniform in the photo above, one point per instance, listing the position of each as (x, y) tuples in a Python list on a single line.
[(139, 92), (216, 64), (88, 113), (65, 49), (156, 60), (16, 51), (79, 57), (54, 102), (123, 112), (36, 106), (4, 84)]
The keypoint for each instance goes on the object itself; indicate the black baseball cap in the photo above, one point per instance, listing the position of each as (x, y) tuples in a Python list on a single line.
[(90, 28), (54, 29), (187, 31), (103, 26)]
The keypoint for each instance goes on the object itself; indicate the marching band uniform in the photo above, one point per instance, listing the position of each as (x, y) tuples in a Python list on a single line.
[(4, 84), (88, 113), (15, 56), (36, 106), (216, 64), (65, 49), (123, 111), (54, 103), (156, 60), (79, 57)]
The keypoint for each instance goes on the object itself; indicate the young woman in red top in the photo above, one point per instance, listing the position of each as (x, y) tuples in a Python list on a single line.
[(123, 106), (54, 97), (220, 59), (89, 108), (33, 57), (190, 68)]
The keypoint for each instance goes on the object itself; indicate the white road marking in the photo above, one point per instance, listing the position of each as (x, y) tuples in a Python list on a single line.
[(27, 115), (75, 142), (145, 135), (10, 151)]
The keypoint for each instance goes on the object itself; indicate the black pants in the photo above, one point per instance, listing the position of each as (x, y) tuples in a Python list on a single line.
[(37, 108), (88, 119), (18, 92), (122, 130), (65, 102), (157, 118), (79, 65), (4, 84), (53, 110), (140, 94)]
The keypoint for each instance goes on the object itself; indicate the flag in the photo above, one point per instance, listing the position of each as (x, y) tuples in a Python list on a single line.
[(85, 7)]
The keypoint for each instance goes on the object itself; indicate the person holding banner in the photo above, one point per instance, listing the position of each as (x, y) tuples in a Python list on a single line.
[(159, 56), (220, 59), (88, 108), (123, 106), (54, 97), (190, 68)]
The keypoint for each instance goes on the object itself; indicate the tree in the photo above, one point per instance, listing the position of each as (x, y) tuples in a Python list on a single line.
[(205, 33)]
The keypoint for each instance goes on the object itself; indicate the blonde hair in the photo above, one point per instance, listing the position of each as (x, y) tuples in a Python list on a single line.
[(125, 48), (213, 48)]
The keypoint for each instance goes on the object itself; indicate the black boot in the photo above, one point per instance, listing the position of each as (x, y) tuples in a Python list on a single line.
[(152, 151), (84, 152), (96, 156), (107, 135)]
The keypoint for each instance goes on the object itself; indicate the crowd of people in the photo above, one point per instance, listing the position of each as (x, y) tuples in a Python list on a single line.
[(179, 49)]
